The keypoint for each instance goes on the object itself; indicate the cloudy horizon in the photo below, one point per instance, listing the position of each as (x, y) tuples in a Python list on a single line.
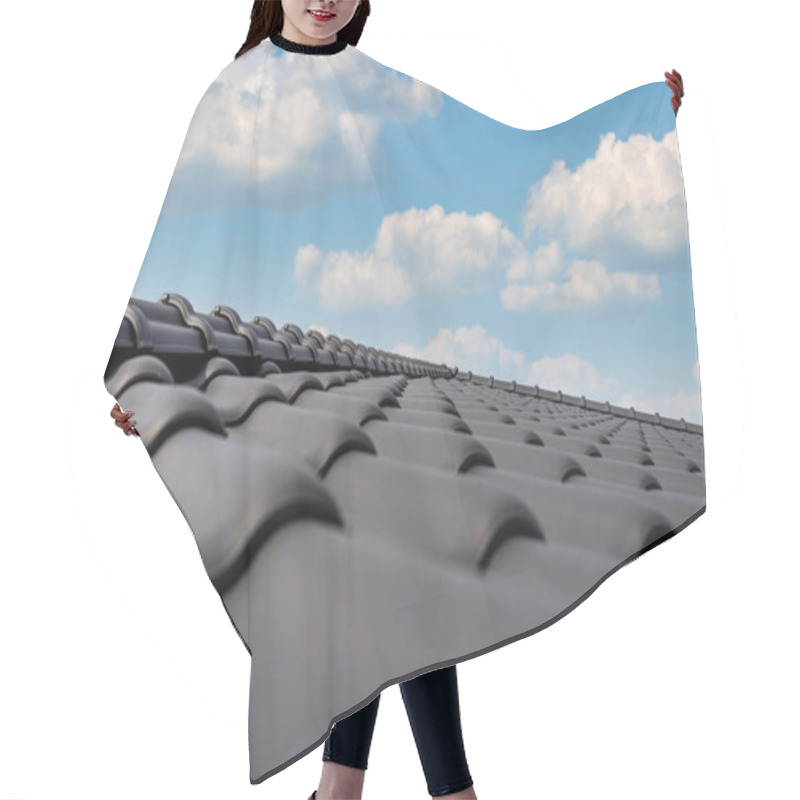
[(339, 194)]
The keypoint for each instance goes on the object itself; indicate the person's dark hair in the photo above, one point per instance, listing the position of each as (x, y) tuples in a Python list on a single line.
[(266, 18)]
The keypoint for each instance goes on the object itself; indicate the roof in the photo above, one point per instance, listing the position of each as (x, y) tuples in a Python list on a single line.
[(318, 474)]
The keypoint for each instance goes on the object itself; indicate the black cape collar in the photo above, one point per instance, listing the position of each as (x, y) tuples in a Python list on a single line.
[(309, 49)]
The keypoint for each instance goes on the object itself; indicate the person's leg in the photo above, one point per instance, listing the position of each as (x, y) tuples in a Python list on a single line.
[(346, 753), (433, 710)]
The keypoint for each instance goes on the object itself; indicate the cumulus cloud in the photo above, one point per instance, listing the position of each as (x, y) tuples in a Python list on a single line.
[(573, 375), (266, 118), (550, 281), (421, 250), (629, 193), (415, 250), (469, 348), (473, 348)]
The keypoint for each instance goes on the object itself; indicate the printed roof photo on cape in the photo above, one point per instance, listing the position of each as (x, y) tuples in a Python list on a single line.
[(401, 366)]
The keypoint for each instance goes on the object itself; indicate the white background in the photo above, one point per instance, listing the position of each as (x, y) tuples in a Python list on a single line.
[(120, 673)]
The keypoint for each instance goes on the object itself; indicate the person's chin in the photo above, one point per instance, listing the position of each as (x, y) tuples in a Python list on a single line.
[(316, 34)]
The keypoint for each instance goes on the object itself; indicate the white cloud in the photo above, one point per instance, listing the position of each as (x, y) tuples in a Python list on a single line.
[(629, 193), (343, 279), (415, 250), (472, 348), (571, 374), (266, 117), (549, 281), (421, 250)]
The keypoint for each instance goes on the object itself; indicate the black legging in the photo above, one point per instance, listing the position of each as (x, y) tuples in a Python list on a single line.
[(432, 706)]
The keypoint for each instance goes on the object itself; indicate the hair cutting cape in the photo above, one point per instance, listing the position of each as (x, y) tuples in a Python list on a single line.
[(419, 381)]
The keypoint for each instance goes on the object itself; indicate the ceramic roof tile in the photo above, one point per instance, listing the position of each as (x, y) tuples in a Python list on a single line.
[(316, 437), (440, 448), (319, 473)]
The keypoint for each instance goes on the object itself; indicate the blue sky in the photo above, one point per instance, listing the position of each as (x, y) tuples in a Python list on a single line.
[(336, 193)]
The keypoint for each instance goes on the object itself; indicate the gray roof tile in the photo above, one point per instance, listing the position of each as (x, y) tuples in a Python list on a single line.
[(316, 437), (402, 515)]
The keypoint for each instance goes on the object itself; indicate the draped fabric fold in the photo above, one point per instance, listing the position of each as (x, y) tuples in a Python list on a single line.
[(419, 381)]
